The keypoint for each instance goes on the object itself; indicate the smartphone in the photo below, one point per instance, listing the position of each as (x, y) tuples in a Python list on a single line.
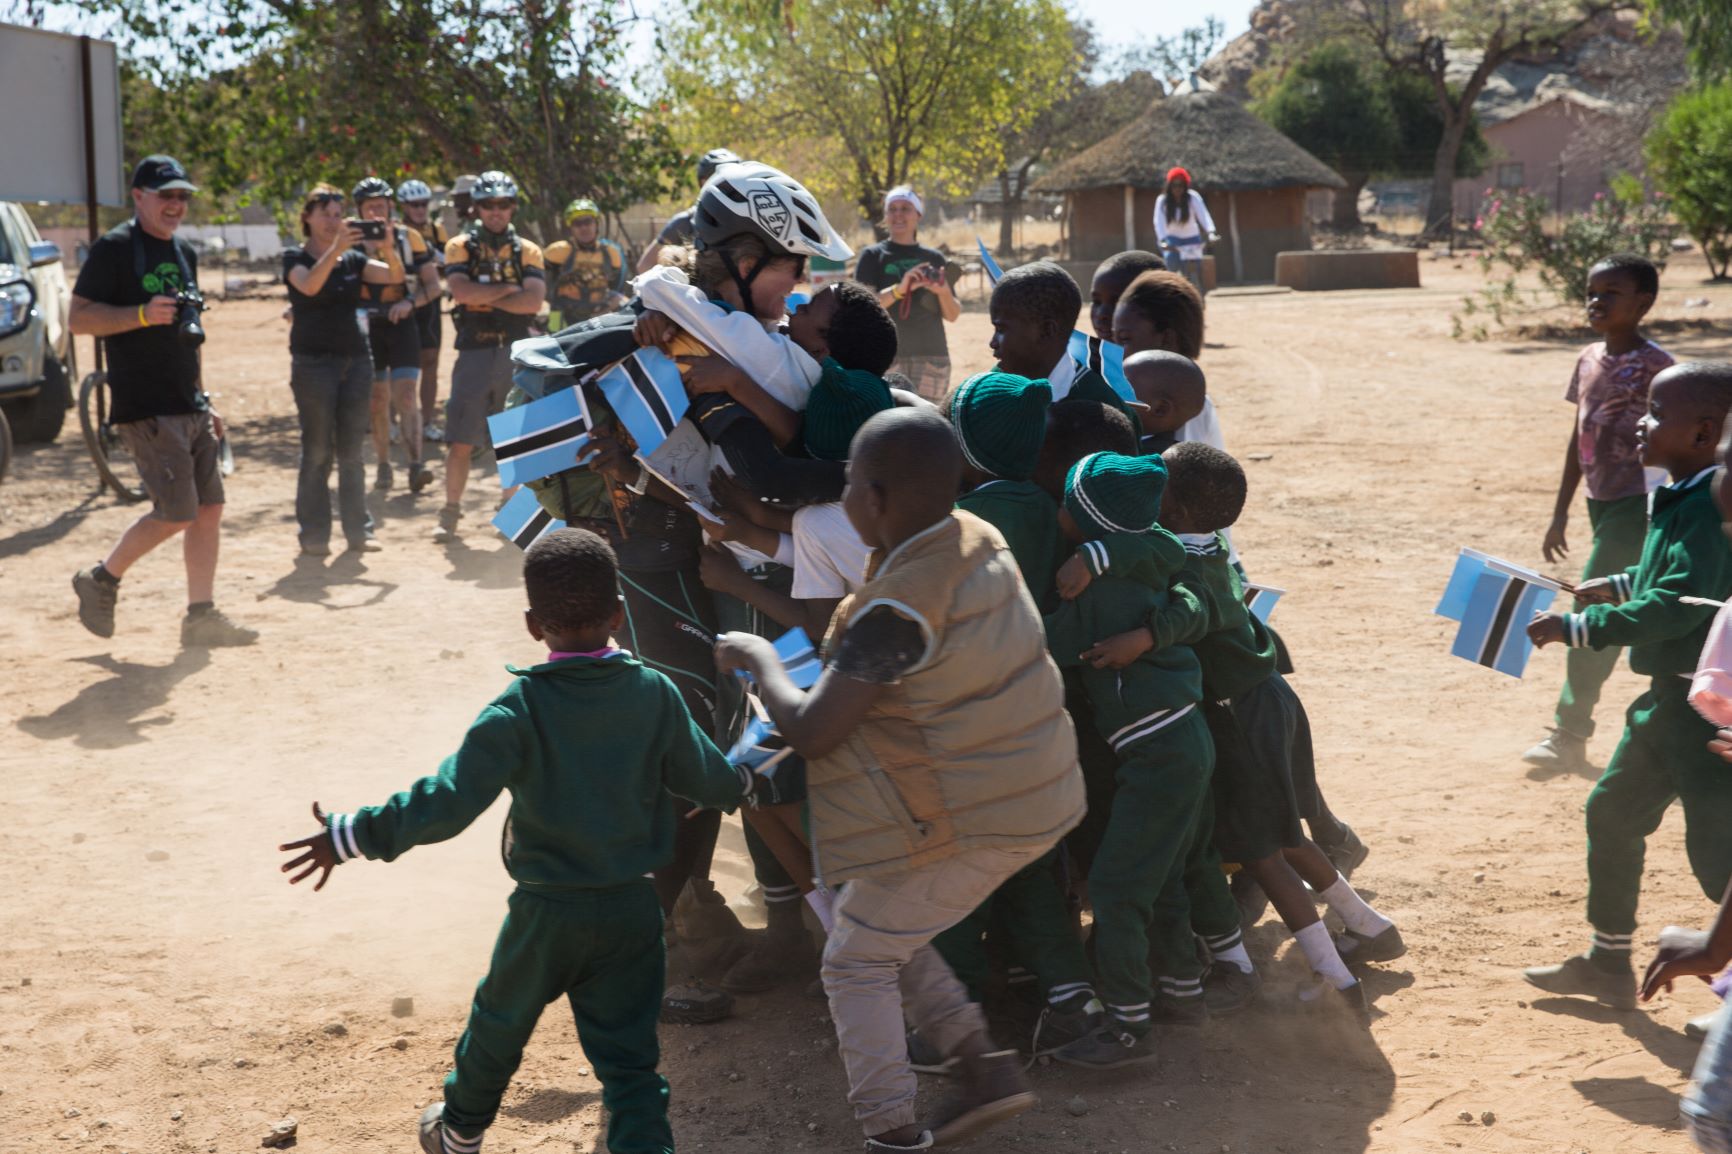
[(370, 229)]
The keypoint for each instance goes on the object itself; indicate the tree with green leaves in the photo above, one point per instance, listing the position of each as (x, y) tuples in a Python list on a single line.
[(264, 97), (1690, 156), (1707, 28), (857, 96)]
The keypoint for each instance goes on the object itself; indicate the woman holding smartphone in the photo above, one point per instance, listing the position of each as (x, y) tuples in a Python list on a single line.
[(917, 285), (330, 370)]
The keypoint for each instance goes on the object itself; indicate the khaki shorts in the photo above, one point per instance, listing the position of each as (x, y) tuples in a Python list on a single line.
[(177, 459), (479, 381)]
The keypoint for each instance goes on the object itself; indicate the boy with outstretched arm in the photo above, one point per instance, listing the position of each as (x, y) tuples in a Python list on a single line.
[(1664, 753), (940, 762), (592, 746), (1609, 389)]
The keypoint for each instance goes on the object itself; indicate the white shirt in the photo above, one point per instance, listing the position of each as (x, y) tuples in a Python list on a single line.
[(1188, 234), (829, 557), (1204, 427)]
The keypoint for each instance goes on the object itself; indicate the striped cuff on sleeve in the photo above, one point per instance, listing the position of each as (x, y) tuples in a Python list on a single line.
[(1575, 630), (1621, 587), (1095, 556), (342, 827)]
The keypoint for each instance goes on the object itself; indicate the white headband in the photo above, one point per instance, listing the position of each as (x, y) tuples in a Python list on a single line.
[(903, 192)]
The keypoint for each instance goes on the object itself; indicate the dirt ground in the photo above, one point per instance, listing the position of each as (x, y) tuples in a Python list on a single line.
[(162, 988)]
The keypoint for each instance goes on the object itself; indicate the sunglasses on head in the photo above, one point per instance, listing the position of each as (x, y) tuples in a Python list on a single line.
[(322, 198), (496, 204)]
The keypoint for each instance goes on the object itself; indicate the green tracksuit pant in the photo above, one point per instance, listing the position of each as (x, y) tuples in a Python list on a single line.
[(1619, 528), (602, 951), (1663, 757), (1200, 898), (1030, 911), (1162, 783)]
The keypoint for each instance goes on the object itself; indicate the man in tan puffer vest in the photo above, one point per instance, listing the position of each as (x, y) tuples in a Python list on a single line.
[(940, 762)]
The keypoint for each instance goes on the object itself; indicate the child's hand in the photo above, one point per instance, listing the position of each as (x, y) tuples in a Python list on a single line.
[(321, 854), (1722, 744), (742, 651), (720, 570), (1073, 577), (1546, 629), (612, 460), (1599, 591), (654, 331), (727, 529), (1682, 954), (1554, 546), (731, 495), (708, 374), (1119, 650)]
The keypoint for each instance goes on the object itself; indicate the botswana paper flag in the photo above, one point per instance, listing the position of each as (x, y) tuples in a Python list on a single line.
[(1260, 600), (1468, 566), (524, 521), (540, 438), (647, 395), (1105, 358), (799, 659), (993, 272), (760, 747), (1493, 630)]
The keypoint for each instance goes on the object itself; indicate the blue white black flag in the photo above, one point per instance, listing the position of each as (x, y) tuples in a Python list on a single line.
[(1468, 566), (760, 746), (647, 396), (1105, 358), (524, 521), (1493, 630), (799, 659), (1260, 600), (993, 272), (541, 438)]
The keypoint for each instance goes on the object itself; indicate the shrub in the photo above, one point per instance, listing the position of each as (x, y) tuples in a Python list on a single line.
[(1690, 152)]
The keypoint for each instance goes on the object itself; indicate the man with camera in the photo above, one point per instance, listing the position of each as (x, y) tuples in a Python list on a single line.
[(498, 281), (138, 291)]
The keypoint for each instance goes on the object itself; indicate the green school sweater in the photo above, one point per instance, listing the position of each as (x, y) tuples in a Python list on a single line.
[(1028, 520), (1684, 554), (592, 751), (1132, 704), (1207, 612)]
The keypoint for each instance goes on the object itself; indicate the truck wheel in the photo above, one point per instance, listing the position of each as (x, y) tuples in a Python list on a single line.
[(39, 419)]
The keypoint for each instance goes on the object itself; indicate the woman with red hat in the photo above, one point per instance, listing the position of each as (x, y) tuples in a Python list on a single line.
[(1183, 226)]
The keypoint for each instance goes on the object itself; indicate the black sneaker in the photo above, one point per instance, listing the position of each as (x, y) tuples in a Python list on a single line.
[(1056, 1028), (420, 476), (1580, 976), (695, 1004), (1188, 1012), (1108, 1048), (1227, 989), (1348, 854), (96, 599), (433, 1133), (879, 1146), (1383, 947)]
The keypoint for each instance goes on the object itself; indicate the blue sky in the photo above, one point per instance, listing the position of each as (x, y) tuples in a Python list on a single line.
[(1125, 22)]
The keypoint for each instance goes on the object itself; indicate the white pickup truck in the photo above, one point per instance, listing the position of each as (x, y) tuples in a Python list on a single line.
[(36, 351)]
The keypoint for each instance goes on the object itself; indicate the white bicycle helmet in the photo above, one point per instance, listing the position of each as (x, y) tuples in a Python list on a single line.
[(413, 190), (754, 199)]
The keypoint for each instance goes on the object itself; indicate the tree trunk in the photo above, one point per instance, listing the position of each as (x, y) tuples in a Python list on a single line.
[(1344, 206), (1440, 213), (1009, 208)]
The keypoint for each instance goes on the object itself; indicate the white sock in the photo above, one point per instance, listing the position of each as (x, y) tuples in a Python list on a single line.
[(821, 901), (1353, 910), (1320, 951), (1230, 948)]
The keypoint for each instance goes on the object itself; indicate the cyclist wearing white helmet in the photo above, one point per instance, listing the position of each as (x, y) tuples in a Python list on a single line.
[(392, 332), (678, 229), (415, 201)]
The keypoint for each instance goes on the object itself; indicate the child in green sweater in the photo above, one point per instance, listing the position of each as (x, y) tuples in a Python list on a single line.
[(1147, 712), (593, 747), (1664, 753)]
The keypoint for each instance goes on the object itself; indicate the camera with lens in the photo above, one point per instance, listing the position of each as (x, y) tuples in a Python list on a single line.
[(188, 307)]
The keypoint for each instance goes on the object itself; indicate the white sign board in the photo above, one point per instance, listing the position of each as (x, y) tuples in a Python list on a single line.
[(42, 128)]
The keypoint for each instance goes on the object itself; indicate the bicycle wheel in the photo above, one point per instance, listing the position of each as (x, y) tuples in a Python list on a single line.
[(113, 463)]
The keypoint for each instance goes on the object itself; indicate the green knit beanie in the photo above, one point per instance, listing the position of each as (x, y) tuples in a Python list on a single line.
[(1108, 493), (1000, 421), (841, 401)]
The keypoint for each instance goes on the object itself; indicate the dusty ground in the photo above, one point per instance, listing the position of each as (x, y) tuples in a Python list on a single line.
[(162, 989)]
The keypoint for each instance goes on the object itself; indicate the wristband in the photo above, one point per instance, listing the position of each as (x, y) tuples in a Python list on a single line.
[(142, 323), (896, 293)]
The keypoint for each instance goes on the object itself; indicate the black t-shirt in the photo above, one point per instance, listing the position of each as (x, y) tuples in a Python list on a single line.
[(678, 229), (919, 333), (326, 324), (152, 373)]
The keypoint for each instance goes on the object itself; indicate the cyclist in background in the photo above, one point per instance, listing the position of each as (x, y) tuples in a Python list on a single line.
[(415, 201), (678, 230), (586, 272), (392, 333)]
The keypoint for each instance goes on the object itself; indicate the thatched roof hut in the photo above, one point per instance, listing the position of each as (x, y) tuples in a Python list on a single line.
[(1253, 179)]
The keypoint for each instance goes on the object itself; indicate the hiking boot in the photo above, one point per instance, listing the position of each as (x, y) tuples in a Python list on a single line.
[(448, 518), (784, 953), (382, 478), (1056, 1028), (991, 1088), (1560, 752), (1348, 854), (214, 629), (96, 599), (695, 1004), (1581, 976), (924, 1057), (1108, 1048), (1253, 903), (1227, 989), (710, 937), (434, 1133), (1191, 1012), (1383, 947), (420, 476), (367, 544), (879, 1146)]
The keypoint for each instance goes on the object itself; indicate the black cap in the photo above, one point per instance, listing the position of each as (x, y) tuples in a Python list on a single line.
[(156, 173)]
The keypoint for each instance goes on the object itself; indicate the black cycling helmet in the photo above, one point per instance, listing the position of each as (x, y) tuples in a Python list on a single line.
[(370, 188), (712, 160), (493, 185)]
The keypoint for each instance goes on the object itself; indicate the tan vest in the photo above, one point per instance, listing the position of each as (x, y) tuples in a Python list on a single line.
[(973, 746)]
